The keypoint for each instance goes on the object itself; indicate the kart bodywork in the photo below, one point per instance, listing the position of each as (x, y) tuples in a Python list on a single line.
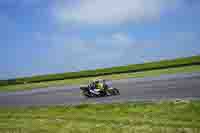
[(106, 90)]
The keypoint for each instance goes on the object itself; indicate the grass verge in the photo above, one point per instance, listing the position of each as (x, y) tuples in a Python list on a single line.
[(166, 117), (28, 86), (179, 62)]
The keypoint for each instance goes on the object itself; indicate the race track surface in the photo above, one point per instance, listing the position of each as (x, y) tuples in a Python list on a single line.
[(181, 86)]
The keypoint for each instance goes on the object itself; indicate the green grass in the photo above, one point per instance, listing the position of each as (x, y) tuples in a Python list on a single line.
[(107, 71), (166, 117), (28, 86)]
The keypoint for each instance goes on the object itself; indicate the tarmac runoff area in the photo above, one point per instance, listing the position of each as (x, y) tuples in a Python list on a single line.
[(178, 86)]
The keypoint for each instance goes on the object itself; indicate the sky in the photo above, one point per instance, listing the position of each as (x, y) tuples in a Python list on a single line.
[(55, 36)]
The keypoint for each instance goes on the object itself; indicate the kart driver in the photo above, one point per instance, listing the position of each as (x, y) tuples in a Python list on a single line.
[(99, 85), (96, 85)]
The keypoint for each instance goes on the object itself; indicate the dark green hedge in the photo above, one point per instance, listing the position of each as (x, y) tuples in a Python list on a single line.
[(195, 60)]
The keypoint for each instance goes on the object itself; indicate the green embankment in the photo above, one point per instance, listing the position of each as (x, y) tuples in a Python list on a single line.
[(195, 60), (160, 117), (78, 81)]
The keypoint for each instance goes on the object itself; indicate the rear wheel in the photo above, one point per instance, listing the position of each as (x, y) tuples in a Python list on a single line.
[(103, 93)]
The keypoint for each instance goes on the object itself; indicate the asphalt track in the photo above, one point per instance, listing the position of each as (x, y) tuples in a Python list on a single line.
[(181, 86)]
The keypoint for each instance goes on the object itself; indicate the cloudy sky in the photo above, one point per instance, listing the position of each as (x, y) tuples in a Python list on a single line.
[(55, 36)]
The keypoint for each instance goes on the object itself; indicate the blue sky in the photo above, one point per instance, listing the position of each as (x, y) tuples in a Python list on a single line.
[(55, 36)]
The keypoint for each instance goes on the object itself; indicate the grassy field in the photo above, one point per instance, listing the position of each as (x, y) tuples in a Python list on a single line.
[(180, 62), (28, 86), (160, 117)]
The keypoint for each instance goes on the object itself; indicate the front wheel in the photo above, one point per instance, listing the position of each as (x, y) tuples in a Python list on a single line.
[(86, 94), (116, 91)]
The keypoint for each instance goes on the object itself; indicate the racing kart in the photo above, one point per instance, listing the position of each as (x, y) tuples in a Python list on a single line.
[(107, 90)]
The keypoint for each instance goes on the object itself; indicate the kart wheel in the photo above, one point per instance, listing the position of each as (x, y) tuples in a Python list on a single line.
[(116, 91), (103, 94), (86, 94)]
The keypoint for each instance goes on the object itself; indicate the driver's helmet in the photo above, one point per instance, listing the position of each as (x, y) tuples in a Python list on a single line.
[(96, 80)]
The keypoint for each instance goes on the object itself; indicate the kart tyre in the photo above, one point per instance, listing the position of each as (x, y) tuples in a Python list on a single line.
[(116, 91)]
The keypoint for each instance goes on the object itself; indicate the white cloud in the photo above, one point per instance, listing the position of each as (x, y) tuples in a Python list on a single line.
[(120, 37), (113, 11)]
